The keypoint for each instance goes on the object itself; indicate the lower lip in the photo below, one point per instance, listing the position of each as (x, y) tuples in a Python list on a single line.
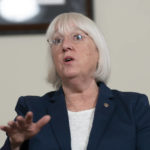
[(68, 62)]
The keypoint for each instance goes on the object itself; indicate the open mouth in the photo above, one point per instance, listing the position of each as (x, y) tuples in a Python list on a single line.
[(68, 59)]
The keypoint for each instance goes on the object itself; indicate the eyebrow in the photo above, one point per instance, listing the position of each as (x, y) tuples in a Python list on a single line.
[(72, 31)]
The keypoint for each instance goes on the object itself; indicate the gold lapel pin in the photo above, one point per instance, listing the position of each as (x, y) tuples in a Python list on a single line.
[(106, 105)]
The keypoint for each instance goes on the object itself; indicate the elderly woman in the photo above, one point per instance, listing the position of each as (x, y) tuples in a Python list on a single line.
[(83, 113)]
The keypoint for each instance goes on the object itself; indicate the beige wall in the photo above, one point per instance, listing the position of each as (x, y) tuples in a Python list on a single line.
[(22, 72), (126, 27)]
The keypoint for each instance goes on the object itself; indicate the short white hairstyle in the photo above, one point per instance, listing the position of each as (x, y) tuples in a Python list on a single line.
[(63, 22)]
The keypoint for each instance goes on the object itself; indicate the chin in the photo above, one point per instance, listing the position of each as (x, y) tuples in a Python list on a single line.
[(70, 75)]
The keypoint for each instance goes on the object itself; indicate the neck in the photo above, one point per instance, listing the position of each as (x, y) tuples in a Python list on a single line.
[(80, 95)]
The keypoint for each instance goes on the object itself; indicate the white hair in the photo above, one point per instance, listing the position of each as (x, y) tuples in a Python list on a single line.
[(63, 23)]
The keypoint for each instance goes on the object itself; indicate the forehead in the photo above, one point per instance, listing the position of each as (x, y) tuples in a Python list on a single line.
[(66, 27), (65, 33)]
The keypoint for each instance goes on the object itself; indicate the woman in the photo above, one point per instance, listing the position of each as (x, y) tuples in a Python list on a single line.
[(83, 113)]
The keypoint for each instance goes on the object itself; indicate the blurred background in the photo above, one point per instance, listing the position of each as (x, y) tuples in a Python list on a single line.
[(126, 28)]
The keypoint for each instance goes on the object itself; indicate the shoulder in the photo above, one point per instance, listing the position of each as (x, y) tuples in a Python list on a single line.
[(130, 97), (123, 99), (133, 103), (33, 103), (29, 99), (123, 96)]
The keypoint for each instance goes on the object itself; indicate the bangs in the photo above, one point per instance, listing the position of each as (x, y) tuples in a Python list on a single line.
[(66, 24)]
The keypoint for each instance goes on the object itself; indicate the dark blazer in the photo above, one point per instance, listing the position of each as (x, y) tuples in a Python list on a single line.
[(121, 121)]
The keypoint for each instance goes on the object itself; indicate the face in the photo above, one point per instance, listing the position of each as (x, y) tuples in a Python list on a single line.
[(74, 54)]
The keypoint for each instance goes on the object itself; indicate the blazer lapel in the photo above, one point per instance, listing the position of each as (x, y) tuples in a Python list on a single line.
[(59, 121), (102, 117)]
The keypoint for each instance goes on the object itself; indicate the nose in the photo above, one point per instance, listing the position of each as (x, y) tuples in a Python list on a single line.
[(66, 45)]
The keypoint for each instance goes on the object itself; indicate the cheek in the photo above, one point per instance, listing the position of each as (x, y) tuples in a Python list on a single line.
[(55, 57), (96, 56), (93, 57), (91, 53), (55, 61)]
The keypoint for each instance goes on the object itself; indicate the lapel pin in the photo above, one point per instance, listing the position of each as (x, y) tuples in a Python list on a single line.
[(106, 105)]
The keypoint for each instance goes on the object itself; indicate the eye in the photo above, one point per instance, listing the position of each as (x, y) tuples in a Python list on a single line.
[(77, 37), (57, 41)]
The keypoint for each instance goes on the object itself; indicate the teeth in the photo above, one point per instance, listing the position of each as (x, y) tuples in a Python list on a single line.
[(68, 59)]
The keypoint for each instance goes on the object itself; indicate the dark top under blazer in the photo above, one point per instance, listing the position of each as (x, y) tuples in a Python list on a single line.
[(123, 125)]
